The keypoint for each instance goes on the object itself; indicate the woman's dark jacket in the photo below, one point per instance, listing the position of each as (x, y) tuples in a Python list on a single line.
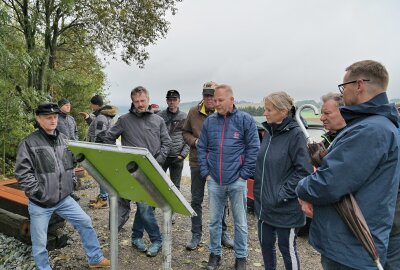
[(282, 162)]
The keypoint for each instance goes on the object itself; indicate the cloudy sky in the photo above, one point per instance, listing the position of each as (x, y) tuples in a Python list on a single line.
[(261, 46)]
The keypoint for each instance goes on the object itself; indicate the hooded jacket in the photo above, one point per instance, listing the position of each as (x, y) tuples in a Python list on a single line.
[(44, 168), (192, 128), (228, 146), (362, 160), (174, 123), (282, 161), (100, 122), (146, 130)]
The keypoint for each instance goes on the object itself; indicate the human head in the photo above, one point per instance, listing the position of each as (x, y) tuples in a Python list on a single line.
[(140, 98), (64, 105), (208, 95), (173, 99), (277, 107), (47, 116), (96, 102), (364, 80), (223, 99), (330, 113)]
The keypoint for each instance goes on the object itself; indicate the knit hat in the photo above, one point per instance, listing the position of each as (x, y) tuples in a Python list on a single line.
[(97, 100), (62, 102)]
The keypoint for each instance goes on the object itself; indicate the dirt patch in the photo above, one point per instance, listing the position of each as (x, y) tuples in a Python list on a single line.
[(73, 256)]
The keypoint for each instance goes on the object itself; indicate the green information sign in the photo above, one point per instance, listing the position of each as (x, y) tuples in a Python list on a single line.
[(113, 163)]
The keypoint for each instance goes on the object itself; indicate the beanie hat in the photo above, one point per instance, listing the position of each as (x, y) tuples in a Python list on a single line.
[(97, 100), (62, 102)]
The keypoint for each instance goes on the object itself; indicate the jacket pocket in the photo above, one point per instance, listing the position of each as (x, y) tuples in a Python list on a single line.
[(44, 163), (68, 160)]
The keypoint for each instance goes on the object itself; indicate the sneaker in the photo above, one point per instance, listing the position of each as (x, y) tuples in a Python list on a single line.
[(214, 261), (194, 242), (226, 240), (139, 245), (240, 264), (104, 263), (173, 218), (153, 249), (100, 203), (95, 200)]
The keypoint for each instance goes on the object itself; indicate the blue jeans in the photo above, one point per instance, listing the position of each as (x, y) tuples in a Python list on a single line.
[(217, 196), (70, 210), (267, 235), (393, 253), (144, 220), (328, 264)]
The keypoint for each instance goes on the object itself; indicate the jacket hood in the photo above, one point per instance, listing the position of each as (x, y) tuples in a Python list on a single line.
[(378, 105), (108, 110), (287, 124)]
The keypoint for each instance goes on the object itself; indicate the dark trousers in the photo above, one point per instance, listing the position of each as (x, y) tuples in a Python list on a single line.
[(287, 244), (144, 220), (175, 166), (329, 264), (197, 189)]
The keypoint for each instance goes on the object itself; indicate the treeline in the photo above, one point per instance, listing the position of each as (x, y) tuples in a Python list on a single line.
[(50, 50)]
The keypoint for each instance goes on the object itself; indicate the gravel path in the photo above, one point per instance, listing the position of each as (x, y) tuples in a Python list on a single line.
[(15, 255)]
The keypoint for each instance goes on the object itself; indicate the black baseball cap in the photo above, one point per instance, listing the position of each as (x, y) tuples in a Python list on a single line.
[(173, 94), (47, 108)]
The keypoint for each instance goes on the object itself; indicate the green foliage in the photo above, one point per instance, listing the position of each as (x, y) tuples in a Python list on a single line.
[(252, 110)]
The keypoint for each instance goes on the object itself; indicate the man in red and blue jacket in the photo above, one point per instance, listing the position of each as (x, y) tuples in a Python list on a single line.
[(227, 152)]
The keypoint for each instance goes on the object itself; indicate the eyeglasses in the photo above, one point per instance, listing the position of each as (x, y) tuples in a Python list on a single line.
[(341, 86)]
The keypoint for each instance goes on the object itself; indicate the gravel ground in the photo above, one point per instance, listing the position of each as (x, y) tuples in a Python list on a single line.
[(73, 257)]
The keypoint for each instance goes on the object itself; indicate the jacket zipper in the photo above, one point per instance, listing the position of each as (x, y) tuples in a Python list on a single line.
[(59, 169), (220, 151), (262, 177)]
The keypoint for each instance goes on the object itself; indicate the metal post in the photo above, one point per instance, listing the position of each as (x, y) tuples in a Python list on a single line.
[(113, 208), (136, 172), (300, 122)]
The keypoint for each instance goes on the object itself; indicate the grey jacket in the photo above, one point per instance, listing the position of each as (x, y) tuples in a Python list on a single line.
[(102, 120), (66, 125), (174, 123), (146, 130), (44, 168)]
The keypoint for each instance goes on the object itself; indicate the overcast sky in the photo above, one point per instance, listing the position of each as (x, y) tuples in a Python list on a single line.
[(261, 46)]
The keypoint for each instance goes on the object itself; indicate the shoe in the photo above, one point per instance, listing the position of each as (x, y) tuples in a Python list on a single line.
[(214, 261), (173, 218), (226, 240), (194, 242), (95, 200), (153, 249), (240, 264), (75, 197), (104, 263), (100, 203), (139, 245)]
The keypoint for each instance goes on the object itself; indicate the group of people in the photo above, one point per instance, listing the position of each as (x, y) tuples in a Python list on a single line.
[(362, 158)]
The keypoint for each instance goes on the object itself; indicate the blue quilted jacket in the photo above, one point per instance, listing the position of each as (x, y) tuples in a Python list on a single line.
[(228, 146)]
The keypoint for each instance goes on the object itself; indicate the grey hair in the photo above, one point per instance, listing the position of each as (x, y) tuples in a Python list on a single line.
[(335, 97)]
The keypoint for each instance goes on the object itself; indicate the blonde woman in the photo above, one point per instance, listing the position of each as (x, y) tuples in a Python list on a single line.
[(282, 161)]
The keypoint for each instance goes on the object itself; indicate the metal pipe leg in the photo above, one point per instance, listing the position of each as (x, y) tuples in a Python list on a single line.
[(167, 238), (114, 231)]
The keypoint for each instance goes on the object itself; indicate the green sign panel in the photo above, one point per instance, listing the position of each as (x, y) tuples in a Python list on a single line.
[(113, 161)]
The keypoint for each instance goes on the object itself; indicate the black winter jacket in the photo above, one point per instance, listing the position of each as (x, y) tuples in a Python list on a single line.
[(282, 161)]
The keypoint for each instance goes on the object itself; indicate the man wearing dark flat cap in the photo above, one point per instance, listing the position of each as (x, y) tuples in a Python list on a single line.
[(45, 170)]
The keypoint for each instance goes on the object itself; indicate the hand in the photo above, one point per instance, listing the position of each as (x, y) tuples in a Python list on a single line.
[(195, 142), (317, 152), (85, 115), (180, 157), (307, 208), (208, 178)]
